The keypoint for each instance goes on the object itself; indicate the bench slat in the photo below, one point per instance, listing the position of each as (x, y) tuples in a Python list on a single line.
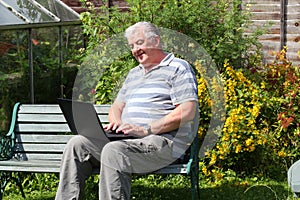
[(103, 119), (39, 108), (173, 169), (104, 109), (42, 128), (50, 118), (47, 148), (30, 165), (43, 156), (30, 169), (42, 138), (48, 108), (41, 118), (53, 166)]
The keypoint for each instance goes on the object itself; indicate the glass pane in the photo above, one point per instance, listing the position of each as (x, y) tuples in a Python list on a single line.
[(13, 51), (33, 13), (30, 11), (60, 10), (8, 18)]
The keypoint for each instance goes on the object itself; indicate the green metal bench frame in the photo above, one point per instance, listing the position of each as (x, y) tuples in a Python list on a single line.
[(38, 134)]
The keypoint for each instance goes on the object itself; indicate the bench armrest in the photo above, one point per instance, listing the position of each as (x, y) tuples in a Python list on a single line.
[(11, 131), (7, 142)]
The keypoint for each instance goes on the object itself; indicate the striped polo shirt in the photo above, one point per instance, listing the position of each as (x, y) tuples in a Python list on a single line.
[(151, 96)]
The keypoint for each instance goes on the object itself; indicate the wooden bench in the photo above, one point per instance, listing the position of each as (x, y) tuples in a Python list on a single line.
[(38, 135)]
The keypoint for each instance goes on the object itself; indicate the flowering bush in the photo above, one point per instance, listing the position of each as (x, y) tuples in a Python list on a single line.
[(241, 137), (282, 83), (262, 126)]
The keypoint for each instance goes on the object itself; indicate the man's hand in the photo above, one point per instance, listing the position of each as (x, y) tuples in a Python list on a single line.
[(112, 126), (132, 130)]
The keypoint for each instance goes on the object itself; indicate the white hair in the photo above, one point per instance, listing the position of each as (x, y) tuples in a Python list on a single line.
[(150, 30)]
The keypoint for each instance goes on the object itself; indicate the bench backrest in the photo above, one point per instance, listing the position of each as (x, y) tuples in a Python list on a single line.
[(42, 131)]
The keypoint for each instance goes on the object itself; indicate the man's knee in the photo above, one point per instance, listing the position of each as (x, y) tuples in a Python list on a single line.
[(75, 142), (76, 147), (111, 150), (113, 155)]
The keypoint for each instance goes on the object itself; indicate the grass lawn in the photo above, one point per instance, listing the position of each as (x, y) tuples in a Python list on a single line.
[(155, 187)]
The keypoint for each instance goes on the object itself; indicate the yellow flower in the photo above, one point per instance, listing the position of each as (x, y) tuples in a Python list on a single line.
[(281, 154), (200, 131), (252, 148), (248, 142), (255, 110), (213, 159), (260, 141), (238, 148), (205, 171), (255, 132)]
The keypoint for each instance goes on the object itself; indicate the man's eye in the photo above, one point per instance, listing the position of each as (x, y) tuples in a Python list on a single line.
[(140, 42)]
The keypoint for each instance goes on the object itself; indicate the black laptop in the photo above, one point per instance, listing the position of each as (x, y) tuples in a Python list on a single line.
[(83, 120)]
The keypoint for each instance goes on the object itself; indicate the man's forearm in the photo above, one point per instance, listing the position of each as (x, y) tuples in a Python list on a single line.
[(180, 115), (115, 112)]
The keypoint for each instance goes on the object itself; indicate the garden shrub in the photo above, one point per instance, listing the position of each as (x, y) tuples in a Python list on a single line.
[(260, 136), (281, 80), (241, 139)]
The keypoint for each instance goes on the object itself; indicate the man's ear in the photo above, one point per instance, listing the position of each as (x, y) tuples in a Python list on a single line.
[(157, 41)]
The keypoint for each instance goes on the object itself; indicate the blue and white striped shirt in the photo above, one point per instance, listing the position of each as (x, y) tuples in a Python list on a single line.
[(151, 96)]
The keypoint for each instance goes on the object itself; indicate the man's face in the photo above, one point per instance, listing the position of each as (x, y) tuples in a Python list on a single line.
[(142, 48)]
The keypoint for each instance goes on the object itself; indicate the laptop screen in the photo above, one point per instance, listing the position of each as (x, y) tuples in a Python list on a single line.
[(83, 119)]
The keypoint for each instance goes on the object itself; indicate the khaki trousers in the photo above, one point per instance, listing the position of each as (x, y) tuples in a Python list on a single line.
[(117, 160)]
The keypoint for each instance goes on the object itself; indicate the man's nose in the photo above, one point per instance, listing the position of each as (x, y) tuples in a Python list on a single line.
[(136, 48)]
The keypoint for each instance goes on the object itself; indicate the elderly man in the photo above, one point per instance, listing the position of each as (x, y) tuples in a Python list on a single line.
[(156, 104)]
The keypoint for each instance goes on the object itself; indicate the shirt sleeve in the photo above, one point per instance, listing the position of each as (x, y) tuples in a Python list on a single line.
[(184, 85)]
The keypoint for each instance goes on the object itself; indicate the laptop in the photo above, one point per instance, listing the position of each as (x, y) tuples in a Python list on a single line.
[(83, 119)]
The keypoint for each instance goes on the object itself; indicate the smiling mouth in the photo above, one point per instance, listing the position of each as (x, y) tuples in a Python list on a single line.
[(140, 55)]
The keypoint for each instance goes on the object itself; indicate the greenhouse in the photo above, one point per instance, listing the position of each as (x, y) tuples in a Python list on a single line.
[(36, 38)]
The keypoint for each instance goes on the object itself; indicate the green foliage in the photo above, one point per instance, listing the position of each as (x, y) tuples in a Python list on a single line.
[(34, 184), (217, 26), (113, 76), (111, 66)]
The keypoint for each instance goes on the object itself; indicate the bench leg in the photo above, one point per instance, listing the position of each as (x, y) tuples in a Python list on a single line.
[(19, 183), (195, 185), (194, 175)]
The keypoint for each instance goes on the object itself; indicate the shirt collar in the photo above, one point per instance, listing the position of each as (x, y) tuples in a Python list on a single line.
[(165, 62)]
